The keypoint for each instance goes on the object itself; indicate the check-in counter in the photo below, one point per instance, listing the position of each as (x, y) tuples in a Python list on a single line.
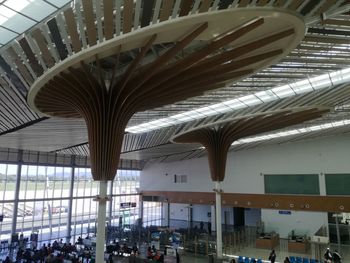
[(267, 241), (298, 245)]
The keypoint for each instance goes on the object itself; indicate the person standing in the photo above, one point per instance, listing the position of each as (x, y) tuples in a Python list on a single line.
[(272, 256), (177, 257), (336, 257), (201, 225), (209, 228), (328, 255)]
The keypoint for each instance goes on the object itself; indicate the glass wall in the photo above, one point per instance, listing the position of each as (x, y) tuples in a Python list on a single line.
[(152, 213), (84, 209), (7, 193), (46, 194), (43, 201), (125, 204)]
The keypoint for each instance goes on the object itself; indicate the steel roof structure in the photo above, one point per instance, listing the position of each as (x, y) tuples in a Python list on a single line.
[(36, 35)]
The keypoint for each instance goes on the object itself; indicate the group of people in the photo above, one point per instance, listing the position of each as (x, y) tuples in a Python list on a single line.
[(154, 254), (45, 253), (329, 257), (201, 225), (119, 250)]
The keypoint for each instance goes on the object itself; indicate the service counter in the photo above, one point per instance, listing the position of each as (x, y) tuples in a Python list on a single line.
[(301, 246), (268, 241)]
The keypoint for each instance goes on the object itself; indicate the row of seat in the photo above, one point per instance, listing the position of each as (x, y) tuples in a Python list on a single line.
[(292, 259), (242, 259)]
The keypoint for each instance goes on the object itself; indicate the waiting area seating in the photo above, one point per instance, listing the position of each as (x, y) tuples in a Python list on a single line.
[(292, 259)]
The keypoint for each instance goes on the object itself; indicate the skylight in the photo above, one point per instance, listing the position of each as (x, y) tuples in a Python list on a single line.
[(286, 133), (289, 90), (17, 16)]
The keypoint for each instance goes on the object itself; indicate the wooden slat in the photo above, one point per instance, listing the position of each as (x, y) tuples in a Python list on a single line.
[(295, 4), (243, 3), (279, 3), (36, 51), (128, 15), (46, 33), (186, 7), (262, 2), (56, 36), (15, 81), (14, 68), (147, 12), (72, 29), (325, 7), (108, 24), (21, 67), (40, 40), (336, 22), (63, 31), (31, 57), (166, 10), (89, 21), (17, 48), (265, 201), (205, 5)]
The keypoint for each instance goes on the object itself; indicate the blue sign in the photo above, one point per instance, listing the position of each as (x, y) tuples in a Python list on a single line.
[(285, 212)]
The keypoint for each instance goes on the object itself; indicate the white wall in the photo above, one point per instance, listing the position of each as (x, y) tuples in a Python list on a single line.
[(245, 169), (200, 213), (179, 211), (302, 222)]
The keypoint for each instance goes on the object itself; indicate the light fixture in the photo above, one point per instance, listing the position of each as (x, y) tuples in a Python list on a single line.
[(281, 134)]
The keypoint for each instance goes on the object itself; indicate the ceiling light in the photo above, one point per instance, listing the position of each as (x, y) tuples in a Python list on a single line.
[(282, 134)]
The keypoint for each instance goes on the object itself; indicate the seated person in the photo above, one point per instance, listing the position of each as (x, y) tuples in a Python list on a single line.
[(134, 249), (149, 253), (154, 250), (125, 249), (55, 245), (117, 248), (159, 257)]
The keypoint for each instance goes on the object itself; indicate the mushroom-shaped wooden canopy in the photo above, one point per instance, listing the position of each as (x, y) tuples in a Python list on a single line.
[(218, 139), (206, 51)]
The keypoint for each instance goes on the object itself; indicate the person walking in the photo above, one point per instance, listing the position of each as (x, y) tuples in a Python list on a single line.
[(272, 256)]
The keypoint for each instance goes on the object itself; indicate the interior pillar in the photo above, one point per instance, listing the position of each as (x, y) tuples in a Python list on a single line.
[(101, 222), (218, 219)]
